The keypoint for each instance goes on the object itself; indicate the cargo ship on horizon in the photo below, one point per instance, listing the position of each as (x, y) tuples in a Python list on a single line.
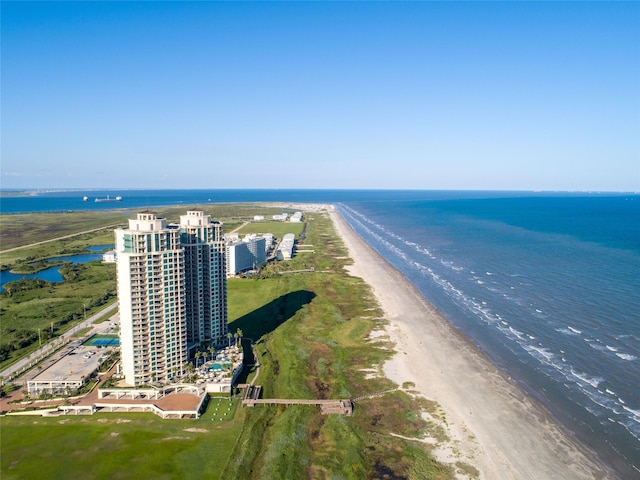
[(108, 199)]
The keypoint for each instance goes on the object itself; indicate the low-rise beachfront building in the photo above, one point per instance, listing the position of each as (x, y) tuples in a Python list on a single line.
[(258, 218), (286, 247), (54, 386), (297, 217), (268, 241), (109, 257), (247, 254), (281, 217), (74, 367)]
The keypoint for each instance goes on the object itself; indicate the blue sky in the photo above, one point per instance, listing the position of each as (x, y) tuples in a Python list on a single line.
[(416, 95)]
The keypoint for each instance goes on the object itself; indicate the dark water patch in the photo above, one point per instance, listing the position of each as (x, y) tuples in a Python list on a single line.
[(76, 259), (51, 274), (101, 248)]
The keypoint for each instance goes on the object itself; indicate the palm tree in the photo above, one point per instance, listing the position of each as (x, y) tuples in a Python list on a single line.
[(238, 336), (212, 351), (188, 367), (229, 335), (198, 357)]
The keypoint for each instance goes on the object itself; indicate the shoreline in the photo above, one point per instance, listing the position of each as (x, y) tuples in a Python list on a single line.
[(490, 421)]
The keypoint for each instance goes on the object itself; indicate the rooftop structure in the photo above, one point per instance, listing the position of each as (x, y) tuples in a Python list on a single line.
[(297, 217), (285, 250), (69, 373), (171, 290), (247, 254), (205, 277)]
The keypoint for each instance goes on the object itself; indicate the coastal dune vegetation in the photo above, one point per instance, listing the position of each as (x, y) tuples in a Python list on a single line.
[(311, 335)]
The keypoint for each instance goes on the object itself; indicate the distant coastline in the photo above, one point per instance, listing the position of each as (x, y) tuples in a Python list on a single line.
[(58, 200)]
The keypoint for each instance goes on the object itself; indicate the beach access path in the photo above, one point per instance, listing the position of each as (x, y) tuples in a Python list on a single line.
[(491, 423)]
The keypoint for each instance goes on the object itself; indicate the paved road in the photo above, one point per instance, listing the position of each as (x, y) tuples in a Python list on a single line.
[(58, 238), (16, 367), (238, 228)]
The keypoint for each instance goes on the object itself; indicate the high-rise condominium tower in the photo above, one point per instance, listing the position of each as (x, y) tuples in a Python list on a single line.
[(169, 294), (205, 277)]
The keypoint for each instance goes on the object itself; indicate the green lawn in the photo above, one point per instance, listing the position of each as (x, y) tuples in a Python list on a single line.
[(108, 446), (311, 336), (19, 229)]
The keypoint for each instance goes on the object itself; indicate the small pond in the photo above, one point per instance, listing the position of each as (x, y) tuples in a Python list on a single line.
[(52, 274)]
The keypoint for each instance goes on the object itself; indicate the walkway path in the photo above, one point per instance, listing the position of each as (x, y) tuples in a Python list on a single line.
[(343, 407), (238, 228)]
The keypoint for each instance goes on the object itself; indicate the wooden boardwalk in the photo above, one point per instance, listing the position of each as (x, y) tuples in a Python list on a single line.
[(340, 407), (251, 398)]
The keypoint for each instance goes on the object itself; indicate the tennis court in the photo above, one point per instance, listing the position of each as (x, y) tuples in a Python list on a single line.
[(103, 340)]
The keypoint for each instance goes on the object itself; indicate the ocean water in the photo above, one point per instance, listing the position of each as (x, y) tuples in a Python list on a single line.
[(547, 285), (65, 200)]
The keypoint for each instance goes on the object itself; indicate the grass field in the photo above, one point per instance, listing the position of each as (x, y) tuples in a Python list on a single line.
[(312, 339), (278, 229), (43, 311), (106, 446), (19, 229), (311, 335), (38, 312)]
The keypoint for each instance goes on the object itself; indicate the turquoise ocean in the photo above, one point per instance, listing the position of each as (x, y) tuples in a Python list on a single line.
[(547, 285)]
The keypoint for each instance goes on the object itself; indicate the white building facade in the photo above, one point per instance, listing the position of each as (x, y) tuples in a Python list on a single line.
[(286, 247), (297, 217), (171, 291), (245, 255), (151, 296), (205, 275)]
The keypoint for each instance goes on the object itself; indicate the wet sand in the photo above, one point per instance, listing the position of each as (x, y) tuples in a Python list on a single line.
[(491, 423)]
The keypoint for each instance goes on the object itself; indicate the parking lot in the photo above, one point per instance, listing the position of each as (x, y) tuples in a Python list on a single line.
[(74, 365)]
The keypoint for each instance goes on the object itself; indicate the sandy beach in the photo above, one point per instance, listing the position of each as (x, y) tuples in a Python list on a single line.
[(491, 423)]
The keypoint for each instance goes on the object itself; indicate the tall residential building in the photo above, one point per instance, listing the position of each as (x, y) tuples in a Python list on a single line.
[(246, 254), (205, 276), (169, 293), (151, 296)]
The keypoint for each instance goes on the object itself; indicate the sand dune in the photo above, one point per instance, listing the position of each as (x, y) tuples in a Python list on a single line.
[(492, 424)]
